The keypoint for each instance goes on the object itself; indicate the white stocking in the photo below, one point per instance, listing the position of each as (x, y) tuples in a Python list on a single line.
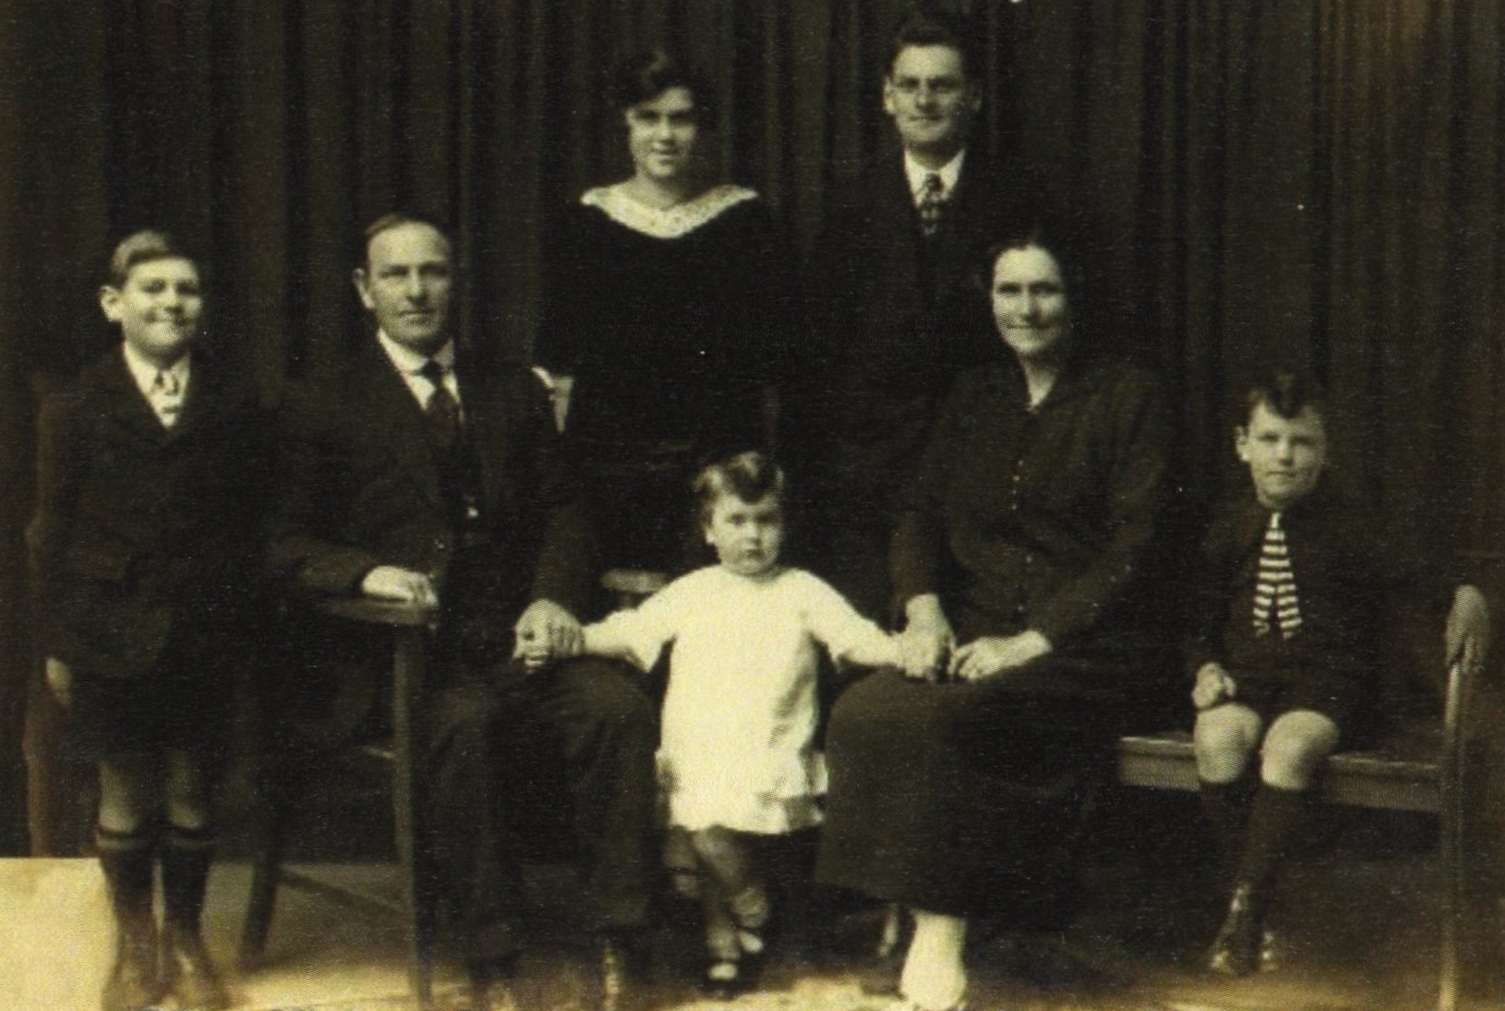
[(933, 975)]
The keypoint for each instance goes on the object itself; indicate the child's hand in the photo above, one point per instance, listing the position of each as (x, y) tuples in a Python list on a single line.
[(926, 643), (1214, 685)]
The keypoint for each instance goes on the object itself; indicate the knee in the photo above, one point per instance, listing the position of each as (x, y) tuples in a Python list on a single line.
[(1222, 747), (612, 697), (1292, 755), (461, 720)]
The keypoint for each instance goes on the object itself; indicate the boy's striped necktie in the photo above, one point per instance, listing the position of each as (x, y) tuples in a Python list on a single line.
[(1276, 606)]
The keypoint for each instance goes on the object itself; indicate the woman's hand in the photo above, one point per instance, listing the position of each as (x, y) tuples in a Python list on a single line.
[(60, 680), (990, 655), (1214, 685), (927, 639)]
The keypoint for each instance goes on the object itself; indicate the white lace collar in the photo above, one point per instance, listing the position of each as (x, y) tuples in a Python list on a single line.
[(668, 222)]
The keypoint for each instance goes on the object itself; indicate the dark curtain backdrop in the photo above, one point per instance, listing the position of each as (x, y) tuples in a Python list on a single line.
[(1319, 181)]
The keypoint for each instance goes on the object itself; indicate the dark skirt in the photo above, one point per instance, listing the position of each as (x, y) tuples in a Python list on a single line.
[(967, 798)]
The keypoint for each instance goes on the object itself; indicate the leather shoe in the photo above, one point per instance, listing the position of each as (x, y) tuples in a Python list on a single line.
[(1236, 950), (189, 973), (134, 982)]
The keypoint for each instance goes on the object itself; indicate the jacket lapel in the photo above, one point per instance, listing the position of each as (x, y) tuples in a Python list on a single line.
[(486, 434), (395, 412), (126, 403)]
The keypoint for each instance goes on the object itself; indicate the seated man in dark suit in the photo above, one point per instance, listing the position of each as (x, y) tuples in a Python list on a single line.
[(412, 476), (896, 312)]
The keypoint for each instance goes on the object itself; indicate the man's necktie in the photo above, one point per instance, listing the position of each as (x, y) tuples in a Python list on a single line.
[(167, 397), (442, 412), (1275, 604), (932, 204)]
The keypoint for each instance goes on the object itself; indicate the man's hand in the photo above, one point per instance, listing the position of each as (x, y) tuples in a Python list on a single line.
[(388, 582), (1467, 636), (60, 680), (990, 655), (927, 639), (547, 632), (1214, 685)]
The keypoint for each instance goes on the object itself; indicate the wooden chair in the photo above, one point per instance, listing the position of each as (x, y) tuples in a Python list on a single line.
[(1419, 767), (408, 626)]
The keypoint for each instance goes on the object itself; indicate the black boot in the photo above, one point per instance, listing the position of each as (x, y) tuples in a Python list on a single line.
[(127, 859), (188, 971), (1236, 950), (1274, 824)]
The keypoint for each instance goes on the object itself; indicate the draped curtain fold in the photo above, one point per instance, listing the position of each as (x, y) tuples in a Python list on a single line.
[(1320, 182)]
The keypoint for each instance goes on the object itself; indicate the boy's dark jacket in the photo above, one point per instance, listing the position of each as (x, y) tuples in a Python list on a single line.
[(144, 536), (1349, 579)]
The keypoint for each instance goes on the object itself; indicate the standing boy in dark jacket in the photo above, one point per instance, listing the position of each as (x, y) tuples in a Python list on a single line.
[(142, 559)]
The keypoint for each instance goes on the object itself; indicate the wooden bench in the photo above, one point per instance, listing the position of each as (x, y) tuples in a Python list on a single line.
[(1420, 767)]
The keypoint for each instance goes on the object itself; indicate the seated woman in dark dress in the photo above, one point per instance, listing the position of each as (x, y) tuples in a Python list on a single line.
[(1020, 560), (666, 304)]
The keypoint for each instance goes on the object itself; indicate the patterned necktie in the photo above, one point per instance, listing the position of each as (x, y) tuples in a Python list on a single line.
[(167, 397), (932, 204), (442, 412), (1275, 602)]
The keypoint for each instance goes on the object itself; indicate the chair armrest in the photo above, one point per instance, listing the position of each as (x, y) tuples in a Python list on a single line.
[(395, 613)]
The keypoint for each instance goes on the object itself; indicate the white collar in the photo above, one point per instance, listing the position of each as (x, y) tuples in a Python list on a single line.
[(145, 372), (949, 173), (666, 222), (411, 362)]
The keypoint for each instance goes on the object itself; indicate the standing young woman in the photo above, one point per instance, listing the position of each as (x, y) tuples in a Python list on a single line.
[(666, 307)]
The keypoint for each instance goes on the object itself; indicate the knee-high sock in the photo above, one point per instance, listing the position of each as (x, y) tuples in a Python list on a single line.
[(1226, 807), (185, 875), (1275, 823), (127, 859)]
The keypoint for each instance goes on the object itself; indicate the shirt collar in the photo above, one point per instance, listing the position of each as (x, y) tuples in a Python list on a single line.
[(406, 360), (145, 372), (915, 173)]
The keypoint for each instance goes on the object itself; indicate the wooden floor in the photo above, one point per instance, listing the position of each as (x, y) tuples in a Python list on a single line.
[(1365, 939)]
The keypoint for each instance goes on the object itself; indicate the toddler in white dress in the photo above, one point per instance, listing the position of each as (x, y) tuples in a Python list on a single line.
[(736, 754)]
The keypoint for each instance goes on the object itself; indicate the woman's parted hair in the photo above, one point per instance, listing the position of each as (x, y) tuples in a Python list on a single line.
[(143, 247), (750, 476), (644, 77)]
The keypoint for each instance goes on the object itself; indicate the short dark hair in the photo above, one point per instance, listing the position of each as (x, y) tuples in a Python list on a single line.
[(645, 76), (143, 247), (1286, 392), (928, 27), (750, 476), (396, 219)]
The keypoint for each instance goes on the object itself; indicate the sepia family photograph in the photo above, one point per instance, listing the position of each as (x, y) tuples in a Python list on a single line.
[(815, 505)]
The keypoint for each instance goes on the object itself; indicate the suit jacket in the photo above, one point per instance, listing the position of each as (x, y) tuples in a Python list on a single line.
[(144, 535), (359, 486), (894, 326)]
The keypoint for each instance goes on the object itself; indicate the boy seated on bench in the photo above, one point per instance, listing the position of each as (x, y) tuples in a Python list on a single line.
[(1288, 619)]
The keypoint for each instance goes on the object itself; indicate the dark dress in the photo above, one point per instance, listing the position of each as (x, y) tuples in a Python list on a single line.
[(144, 555), (673, 324), (1349, 579), (895, 317), (964, 798)]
